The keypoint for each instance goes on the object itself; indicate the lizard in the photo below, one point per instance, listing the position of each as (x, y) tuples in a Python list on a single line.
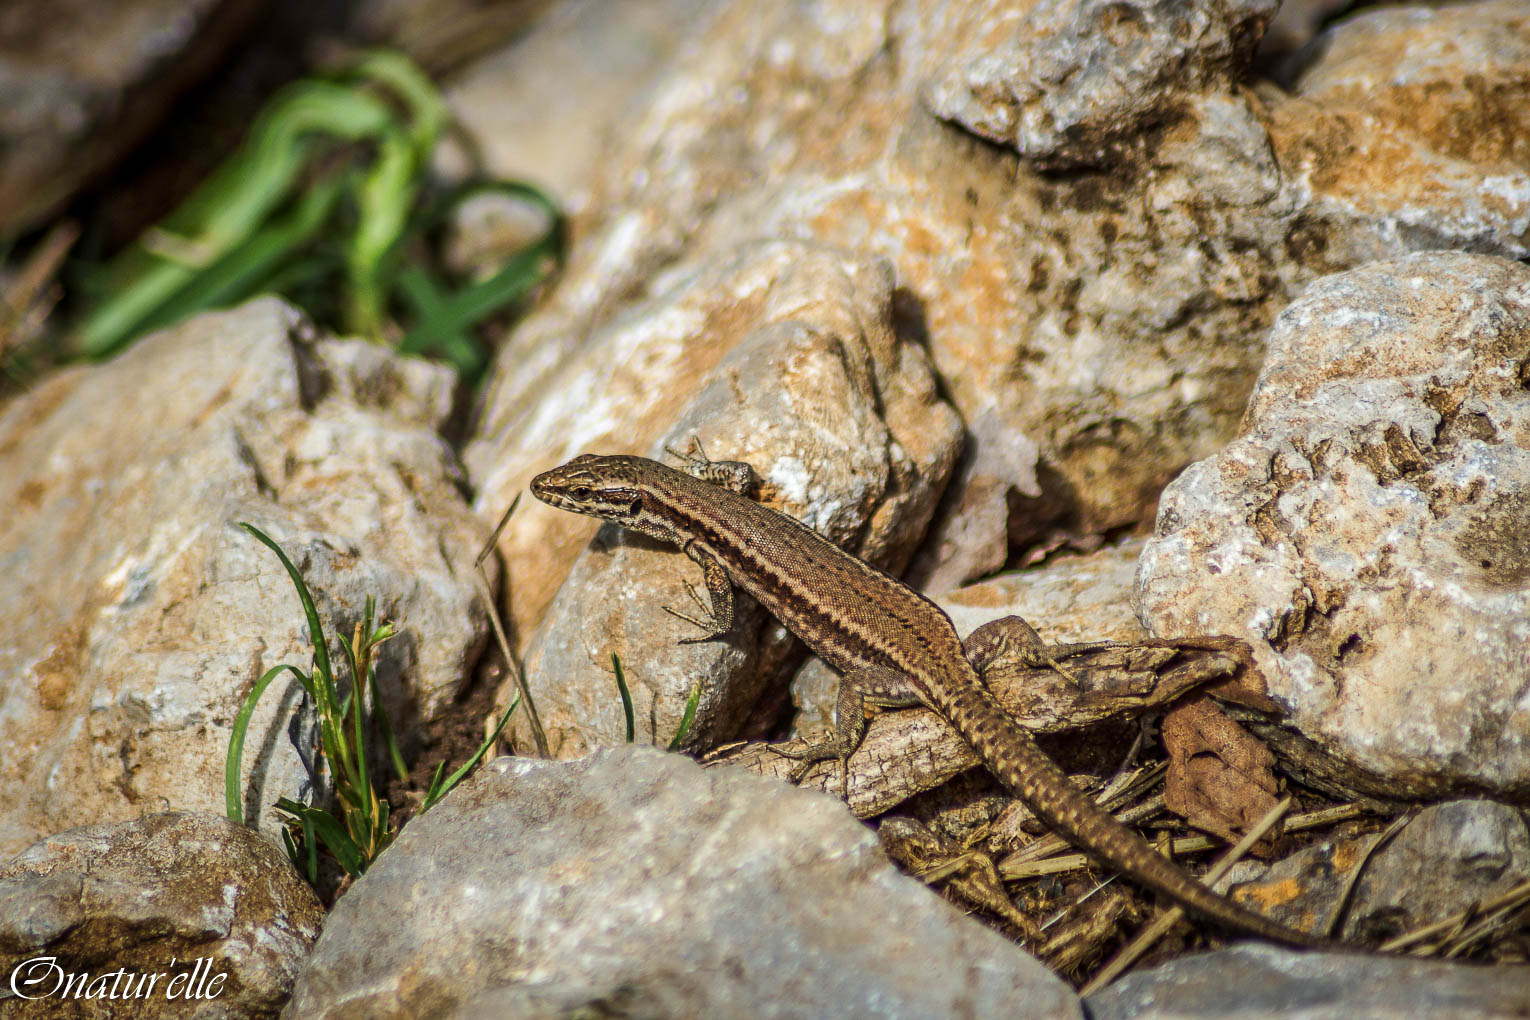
[(893, 646)]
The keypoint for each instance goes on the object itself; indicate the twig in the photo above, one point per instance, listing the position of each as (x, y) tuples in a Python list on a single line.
[(537, 733), (1514, 897), (1084, 898), (1490, 920), (1325, 816), (1170, 917)]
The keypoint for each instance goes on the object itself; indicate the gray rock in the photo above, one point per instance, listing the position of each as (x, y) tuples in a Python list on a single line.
[(1448, 858), (1444, 861), (162, 894), (1366, 532), (634, 883), (140, 614), (1252, 981)]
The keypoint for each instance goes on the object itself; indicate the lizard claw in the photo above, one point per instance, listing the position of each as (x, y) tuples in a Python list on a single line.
[(810, 756)]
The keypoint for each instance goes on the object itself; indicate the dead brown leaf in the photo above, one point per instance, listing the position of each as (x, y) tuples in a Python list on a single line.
[(1221, 778)]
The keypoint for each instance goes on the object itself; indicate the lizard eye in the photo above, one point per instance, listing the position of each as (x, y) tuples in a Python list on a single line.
[(580, 492)]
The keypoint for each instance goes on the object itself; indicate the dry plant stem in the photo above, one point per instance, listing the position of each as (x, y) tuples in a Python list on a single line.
[(22, 306), (1170, 917), (1498, 918), (1341, 902), (1042, 857), (1098, 888), (537, 733), (1325, 816), (945, 869), (1515, 897)]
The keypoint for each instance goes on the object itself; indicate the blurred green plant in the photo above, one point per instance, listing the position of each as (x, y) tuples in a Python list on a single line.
[(326, 203), (364, 828)]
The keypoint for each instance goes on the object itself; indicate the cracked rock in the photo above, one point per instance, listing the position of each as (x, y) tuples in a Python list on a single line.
[(150, 897), (140, 614), (634, 883), (1367, 532)]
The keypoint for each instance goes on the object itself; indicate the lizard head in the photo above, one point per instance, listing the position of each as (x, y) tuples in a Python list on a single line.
[(598, 486)]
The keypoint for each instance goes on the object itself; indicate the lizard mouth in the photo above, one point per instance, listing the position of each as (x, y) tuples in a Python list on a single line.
[(555, 492)]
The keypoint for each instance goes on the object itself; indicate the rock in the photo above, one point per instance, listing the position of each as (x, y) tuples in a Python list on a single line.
[(546, 106), (1450, 857), (1254, 980), (167, 894), (1442, 863), (142, 615), (1366, 532), (1096, 330), (634, 882), (850, 436), (1073, 79), (1408, 131), (79, 91)]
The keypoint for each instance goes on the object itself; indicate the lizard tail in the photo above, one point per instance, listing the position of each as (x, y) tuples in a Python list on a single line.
[(1012, 756)]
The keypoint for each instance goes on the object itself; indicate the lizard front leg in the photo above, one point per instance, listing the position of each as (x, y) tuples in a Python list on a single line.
[(871, 685), (734, 475), (720, 613)]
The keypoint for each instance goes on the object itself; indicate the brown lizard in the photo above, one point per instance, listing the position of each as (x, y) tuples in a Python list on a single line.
[(893, 646)]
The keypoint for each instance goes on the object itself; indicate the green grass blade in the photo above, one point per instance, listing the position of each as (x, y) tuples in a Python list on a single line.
[(330, 832), (384, 197), (413, 87), (621, 685), (355, 710), (324, 685), (233, 801), (247, 267), (437, 791), (434, 793), (686, 718), (228, 207), (296, 857)]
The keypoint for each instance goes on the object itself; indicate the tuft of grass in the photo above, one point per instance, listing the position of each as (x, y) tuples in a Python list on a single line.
[(686, 718), (363, 828), (328, 203)]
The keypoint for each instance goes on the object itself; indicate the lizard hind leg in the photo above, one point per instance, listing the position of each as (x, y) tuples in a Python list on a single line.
[(872, 685), (1013, 636)]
